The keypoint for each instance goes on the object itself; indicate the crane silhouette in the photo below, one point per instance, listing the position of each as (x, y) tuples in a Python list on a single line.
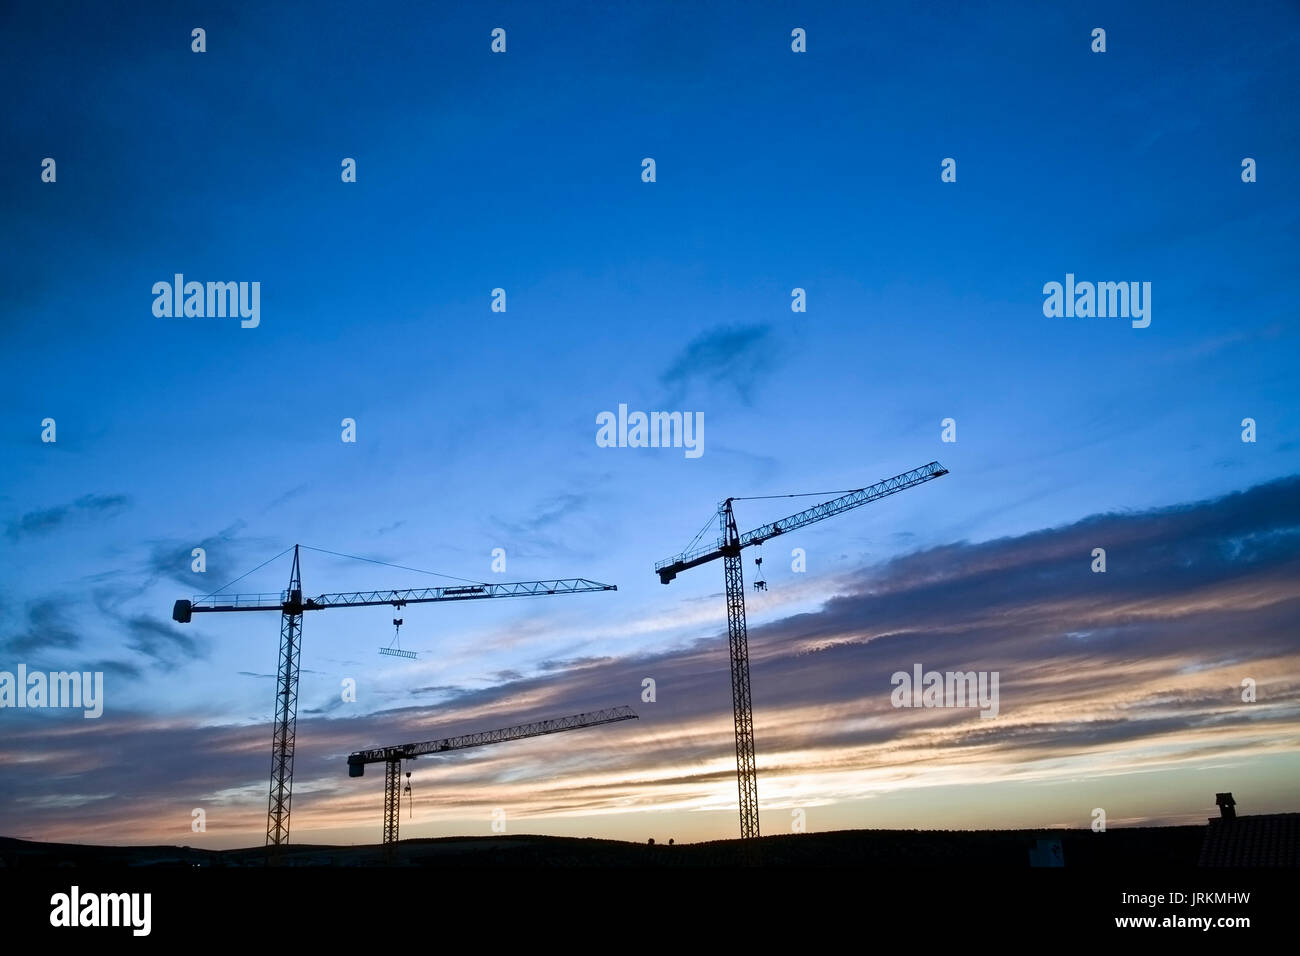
[(393, 756), (291, 605), (728, 547)]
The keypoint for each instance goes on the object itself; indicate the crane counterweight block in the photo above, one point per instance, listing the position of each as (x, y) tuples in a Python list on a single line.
[(181, 612)]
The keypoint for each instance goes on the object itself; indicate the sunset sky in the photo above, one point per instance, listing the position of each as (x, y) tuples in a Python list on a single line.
[(476, 429)]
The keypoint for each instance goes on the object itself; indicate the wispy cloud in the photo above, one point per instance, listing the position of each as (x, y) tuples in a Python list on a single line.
[(224, 552), (731, 357), (165, 646), (51, 519), (47, 629)]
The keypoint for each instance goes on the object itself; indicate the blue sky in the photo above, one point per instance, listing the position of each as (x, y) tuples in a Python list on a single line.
[(476, 430)]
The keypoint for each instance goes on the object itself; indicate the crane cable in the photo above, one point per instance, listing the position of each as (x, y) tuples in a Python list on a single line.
[(400, 567), (338, 554), (247, 573), (806, 494), (699, 534)]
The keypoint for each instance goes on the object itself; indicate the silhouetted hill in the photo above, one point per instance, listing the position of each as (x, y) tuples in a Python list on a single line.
[(1117, 848)]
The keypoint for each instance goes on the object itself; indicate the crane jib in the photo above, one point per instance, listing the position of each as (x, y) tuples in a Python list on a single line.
[(357, 761), (670, 568), (287, 603)]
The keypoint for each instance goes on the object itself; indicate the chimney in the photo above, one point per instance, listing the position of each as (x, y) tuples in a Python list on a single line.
[(1227, 806)]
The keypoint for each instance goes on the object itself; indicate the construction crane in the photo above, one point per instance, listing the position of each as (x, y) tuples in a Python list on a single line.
[(291, 605), (728, 547), (393, 756)]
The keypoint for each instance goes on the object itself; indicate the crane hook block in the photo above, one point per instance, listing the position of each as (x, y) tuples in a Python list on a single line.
[(181, 612)]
